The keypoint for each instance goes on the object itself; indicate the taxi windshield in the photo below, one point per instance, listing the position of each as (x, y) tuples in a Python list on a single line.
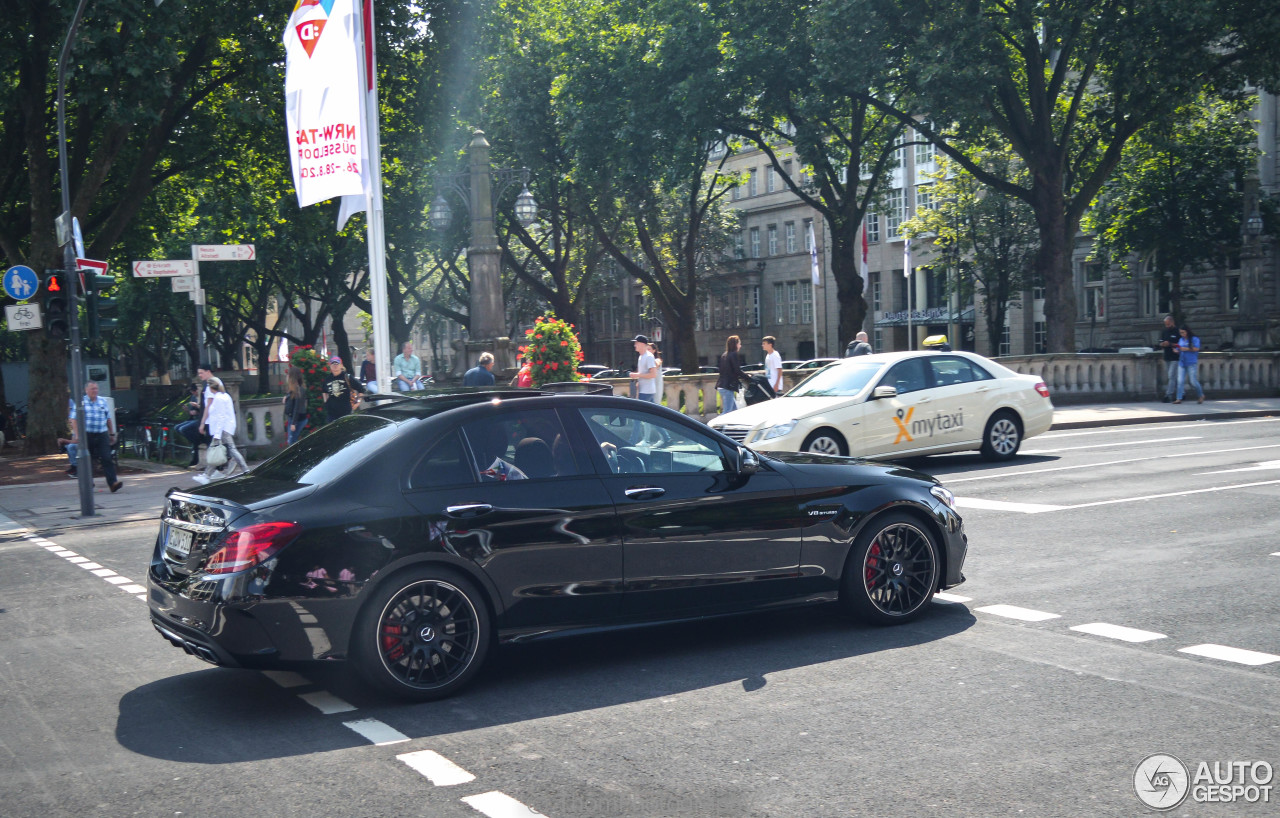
[(842, 380)]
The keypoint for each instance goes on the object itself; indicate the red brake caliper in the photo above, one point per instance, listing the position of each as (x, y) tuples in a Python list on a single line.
[(873, 562), (392, 645)]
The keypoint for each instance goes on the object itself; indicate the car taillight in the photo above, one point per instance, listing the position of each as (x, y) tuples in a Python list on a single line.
[(246, 547), (1042, 389)]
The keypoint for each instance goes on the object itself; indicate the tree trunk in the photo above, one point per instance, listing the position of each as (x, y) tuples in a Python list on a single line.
[(47, 394), (1053, 263), (849, 288), (342, 344)]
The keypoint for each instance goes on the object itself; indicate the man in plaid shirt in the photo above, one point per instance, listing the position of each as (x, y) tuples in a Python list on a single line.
[(100, 432)]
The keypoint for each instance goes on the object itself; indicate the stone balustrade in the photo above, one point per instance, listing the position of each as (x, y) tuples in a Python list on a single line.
[(693, 395), (262, 431), (1090, 378)]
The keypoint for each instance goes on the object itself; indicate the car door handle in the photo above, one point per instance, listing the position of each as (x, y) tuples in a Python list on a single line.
[(644, 492), (468, 510), (924, 400)]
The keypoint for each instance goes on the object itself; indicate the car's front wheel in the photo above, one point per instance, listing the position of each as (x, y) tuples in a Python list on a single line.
[(1002, 437), (892, 570), (825, 441), (423, 636)]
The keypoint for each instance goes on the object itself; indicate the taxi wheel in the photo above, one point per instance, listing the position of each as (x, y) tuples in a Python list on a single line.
[(891, 572), (423, 635), (825, 441), (1002, 437)]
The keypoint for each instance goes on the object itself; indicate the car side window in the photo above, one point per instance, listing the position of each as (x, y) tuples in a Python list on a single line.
[(907, 376), (524, 445), (444, 464), (637, 442), (949, 371)]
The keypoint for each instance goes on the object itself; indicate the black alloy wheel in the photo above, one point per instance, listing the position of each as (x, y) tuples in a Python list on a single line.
[(1002, 437), (423, 636), (892, 571)]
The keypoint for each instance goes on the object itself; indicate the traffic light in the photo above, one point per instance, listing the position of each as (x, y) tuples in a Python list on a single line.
[(99, 306), (57, 298)]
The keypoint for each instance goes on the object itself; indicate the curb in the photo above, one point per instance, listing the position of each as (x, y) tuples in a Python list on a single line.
[(1133, 421)]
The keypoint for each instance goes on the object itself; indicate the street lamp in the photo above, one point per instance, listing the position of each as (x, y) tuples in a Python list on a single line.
[(477, 188), (1253, 224)]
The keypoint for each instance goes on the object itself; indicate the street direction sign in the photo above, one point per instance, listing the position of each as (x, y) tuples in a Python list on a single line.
[(163, 269), (23, 316), (21, 282), (222, 252), (183, 284), (197, 297)]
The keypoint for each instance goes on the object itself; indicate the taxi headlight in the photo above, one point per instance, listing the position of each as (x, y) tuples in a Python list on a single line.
[(779, 430), (944, 495)]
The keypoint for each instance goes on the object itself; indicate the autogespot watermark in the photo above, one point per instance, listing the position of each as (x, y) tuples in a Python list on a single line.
[(1162, 782)]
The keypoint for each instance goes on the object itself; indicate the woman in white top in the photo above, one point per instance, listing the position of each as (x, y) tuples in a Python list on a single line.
[(657, 363), (222, 426)]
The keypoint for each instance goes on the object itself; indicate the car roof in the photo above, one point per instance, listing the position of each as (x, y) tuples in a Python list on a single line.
[(420, 404)]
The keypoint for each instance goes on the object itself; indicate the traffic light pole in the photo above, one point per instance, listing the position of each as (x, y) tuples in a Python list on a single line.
[(84, 463)]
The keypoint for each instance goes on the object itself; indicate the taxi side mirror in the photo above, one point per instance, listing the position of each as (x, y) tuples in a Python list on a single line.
[(884, 392)]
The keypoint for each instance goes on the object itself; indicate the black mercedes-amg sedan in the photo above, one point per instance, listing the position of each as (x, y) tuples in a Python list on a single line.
[(412, 536)]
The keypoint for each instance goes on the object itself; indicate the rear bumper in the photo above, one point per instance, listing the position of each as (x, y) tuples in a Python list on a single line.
[(206, 626)]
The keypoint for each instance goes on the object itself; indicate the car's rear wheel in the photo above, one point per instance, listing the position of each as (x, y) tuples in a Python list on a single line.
[(1002, 437), (423, 636), (892, 571), (825, 441)]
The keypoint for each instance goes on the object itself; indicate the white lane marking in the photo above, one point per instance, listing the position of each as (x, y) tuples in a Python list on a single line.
[(1170, 456), (1266, 465), (77, 560), (1170, 426), (1275, 553), (1118, 632), (1014, 612), (499, 805), (326, 702), (1226, 654), (1001, 505), (119, 580), (439, 770), (90, 566), (950, 599), (1176, 494), (1112, 445), (133, 589), (286, 678), (376, 732), (62, 552), (103, 572)]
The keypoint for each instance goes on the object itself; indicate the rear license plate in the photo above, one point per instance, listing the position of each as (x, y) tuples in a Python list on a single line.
[(180, 541)]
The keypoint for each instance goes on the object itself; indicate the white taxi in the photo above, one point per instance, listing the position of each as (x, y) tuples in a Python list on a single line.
[(899, 404)]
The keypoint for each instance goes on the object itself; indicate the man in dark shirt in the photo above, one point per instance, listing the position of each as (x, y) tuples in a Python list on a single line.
[(482, 373), (1169, 346)]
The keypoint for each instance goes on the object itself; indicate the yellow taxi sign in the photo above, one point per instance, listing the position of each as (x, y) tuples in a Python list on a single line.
[(934, 341)]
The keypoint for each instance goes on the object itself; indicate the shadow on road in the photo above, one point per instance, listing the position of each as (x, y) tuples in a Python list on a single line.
[(219, 716)]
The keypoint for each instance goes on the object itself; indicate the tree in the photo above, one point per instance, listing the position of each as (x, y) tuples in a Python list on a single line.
[(1065, 85), (996, 233), (1174, 202)]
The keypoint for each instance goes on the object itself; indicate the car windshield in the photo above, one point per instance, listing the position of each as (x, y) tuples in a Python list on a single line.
[(329, 452), (844, 380)]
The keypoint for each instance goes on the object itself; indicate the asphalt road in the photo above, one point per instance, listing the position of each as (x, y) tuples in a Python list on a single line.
[(1168, 529)]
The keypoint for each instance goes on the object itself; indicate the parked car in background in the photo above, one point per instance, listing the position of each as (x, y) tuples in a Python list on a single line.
[(816, 363), (589, 371)]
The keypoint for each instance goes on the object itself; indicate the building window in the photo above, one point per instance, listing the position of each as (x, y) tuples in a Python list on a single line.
[(786, 168), (1037, 293), (1004, 340), (875, 291), (793, 301), (769, 184), (877, 340), (773, 239), (1040, 337), (924, 153), (738, 250), (924, 197), (1233, 293), (737, 307), (789, 230), (1155, 297), (873, 227), (1095, 283), (755, 242), (779, 304), (806, 303), (755, 305), (753, 186), (897, 213), (935, 286), (736, 193)]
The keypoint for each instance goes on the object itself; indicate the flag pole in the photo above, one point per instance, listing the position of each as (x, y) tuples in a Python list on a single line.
[(815, 275), (375, 233)]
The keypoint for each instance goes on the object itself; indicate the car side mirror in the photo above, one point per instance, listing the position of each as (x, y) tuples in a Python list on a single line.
[(884, 392), (748, 461)]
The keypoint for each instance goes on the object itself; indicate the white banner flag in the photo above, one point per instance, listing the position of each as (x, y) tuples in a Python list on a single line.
[(322, 100), (814, 273), (906, 257)]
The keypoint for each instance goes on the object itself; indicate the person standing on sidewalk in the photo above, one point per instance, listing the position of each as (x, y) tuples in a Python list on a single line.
[(100, 433), (1188, 363), (338, 389), (222, 427), (1169, 338), (645, 376), (657, 369), (482, 373), (190, 428), (295, 406), (772, 364), (731, 375)]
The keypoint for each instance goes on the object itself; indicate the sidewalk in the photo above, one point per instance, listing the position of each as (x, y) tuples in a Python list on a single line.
[(56, 504)]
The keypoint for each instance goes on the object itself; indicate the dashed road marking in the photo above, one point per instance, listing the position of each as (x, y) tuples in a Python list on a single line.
[(1014, 612), (1226, 654), (103, 572), (376, 732), (1001, 505), (1035, 508), (499, 805), (1118, 632), (326, 702), (439, 770), (950, 599), (1112, 445), (119, 580)]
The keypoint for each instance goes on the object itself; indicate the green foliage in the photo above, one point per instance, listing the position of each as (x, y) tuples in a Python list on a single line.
[(553, 350), (314, 372)]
